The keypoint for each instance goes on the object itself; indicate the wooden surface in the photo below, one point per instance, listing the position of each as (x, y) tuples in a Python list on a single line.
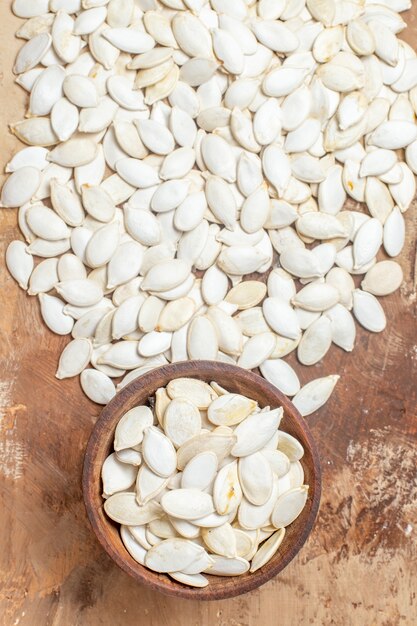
[(236, 380), (357, 567)]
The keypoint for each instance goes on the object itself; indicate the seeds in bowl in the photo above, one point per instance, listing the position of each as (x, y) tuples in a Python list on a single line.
[(203, 481)]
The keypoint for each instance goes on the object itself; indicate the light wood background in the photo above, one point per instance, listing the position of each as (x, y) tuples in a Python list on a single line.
[(357, 567)]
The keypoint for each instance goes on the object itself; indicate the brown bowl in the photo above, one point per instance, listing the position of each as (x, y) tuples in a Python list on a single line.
[(100, 446)]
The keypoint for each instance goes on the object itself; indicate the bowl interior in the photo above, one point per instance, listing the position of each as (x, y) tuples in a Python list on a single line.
[(100, 446)]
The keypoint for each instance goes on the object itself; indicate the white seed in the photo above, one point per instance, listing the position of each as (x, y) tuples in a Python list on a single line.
[(44, 277), (74, 152), (32, 52), (123, 508), (52, 310), (225, 566), (148, 485), (122, 355), (289, 506), (97, 386), (282, 375), (116, 476), (342, 327), (166, 275), (256, 350), (403, 192), (368, 311), (81, 91), (120, 89), (129, 40), (367, 242), (253, 433), (315, 341), (80, 292), (383, 278), (200, 471), (158, 452), (281, 317), (393, 135), (219, 157), (314, 394), (173, 555), (238, 260), (130, 428), (102, 245), (19, 262), (188, 504), (181, 421), (66, 45), (202, 340), (20, 186), (227, 492)]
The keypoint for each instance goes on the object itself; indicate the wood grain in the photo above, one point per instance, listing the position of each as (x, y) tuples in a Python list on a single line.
[(358, 565), (236, 380)]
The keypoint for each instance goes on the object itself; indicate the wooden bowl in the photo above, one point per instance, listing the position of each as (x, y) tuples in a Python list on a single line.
[(100, 446)]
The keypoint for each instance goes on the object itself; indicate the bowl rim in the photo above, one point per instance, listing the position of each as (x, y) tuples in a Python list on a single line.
[(162, 583)]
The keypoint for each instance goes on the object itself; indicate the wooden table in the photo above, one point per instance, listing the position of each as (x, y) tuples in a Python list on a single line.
[(355, 570)]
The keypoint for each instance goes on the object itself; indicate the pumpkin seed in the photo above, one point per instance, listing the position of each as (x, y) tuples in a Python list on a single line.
[(19, 263), (172, 555), (97, 386), (116, 476), (123, 508), (383, 278), (314, 394), (182, 421)]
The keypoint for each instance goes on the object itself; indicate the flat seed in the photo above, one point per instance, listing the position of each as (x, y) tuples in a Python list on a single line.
[(188, 504), (20, 186), (97, 386), (181, 421), (289, 506), (176, 314), (166, 275), (282, 375), (227, 492), (200, 471), (315, 342), (383, 278), (267, 550), (197, 391), (43, 278), (173, 555), (123, 508), (281, 317), (368, 311), (253, 433), (256, 478), (73, 153), (116, 476), (251, 516), (316, 297), (130, 428), (230, 409), (220, 444), (314, 394), (224, 566), (32, 52), (220, 540), (158, 452), (256, 350), (19, 263), (148, 485)]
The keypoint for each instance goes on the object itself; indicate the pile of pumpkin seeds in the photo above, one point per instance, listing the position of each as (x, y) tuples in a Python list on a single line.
[(204, 483), (176, 146)]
